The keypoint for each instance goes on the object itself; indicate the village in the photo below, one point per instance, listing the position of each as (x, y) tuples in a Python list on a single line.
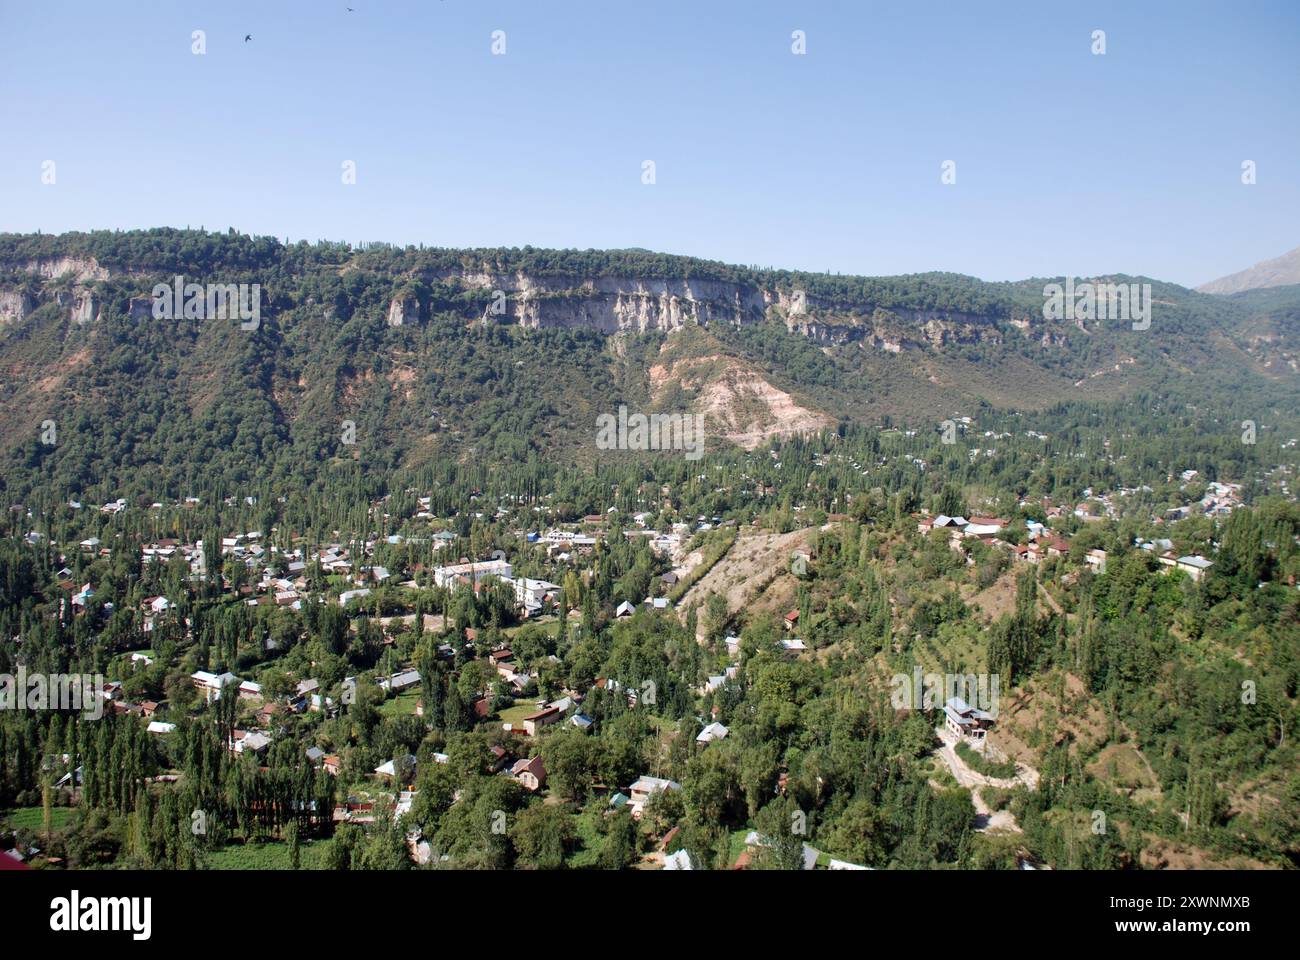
[(371, 582)]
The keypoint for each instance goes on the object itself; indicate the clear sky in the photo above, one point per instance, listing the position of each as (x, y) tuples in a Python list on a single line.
[(1066, 161)]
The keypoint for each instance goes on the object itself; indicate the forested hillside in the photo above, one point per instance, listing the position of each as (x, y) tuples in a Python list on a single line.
[(407, 345)]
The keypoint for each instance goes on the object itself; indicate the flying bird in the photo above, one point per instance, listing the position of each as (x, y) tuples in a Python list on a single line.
[(247, 37)]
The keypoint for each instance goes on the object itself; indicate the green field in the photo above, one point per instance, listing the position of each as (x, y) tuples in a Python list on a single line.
[(32, 818), (518, 710), (403, 703), (269, 855)]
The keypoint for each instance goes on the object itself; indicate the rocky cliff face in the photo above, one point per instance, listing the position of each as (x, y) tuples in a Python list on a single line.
[(628, 304), (403, 310), (14, 305), (82, 269), (607, 304)]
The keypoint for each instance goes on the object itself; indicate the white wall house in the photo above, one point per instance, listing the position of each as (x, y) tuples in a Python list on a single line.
[(474, 572)]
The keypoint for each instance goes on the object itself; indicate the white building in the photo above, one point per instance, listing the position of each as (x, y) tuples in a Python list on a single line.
[(473, 572), (645, 788), (530, 594), (714, 731)]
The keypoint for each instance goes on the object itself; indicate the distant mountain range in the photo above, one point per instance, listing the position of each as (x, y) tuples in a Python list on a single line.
[(502, 354), (1278, 272)]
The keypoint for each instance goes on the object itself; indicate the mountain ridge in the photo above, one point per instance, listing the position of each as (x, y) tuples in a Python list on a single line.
[(513, 353), (1276, 272)]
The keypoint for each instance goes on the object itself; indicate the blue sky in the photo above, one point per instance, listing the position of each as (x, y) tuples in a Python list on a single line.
[(1067, 162)]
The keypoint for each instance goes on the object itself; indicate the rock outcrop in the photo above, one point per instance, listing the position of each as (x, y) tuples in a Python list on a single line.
[(640, 305)]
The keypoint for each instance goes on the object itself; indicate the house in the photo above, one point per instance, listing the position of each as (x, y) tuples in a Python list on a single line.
[(1096, 559), (210, 684), (646, 787), (624, 609), (810, 854), (1194, 566), (389, 770), (790, 620), (449, 576), (564, 704), (532, 594), (713, 683), (158, 726), (581, 721), (714, 731), (306, 687), (403, 680), (1158, 545), (156, 605), (793, 645), (542, 718), (250, 742), (405, 801), (681, 860), (530, 773), (331, 764), (964, 720)]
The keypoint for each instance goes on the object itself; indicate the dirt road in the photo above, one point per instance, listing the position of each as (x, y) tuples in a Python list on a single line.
[(986, 818)]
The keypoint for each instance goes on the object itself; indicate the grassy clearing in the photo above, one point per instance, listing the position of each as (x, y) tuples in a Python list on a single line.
[(516, 712), (33, 818), (269, 855), (403, 703)]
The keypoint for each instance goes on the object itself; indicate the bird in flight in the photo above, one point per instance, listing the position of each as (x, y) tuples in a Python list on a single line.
[(247, 37)]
